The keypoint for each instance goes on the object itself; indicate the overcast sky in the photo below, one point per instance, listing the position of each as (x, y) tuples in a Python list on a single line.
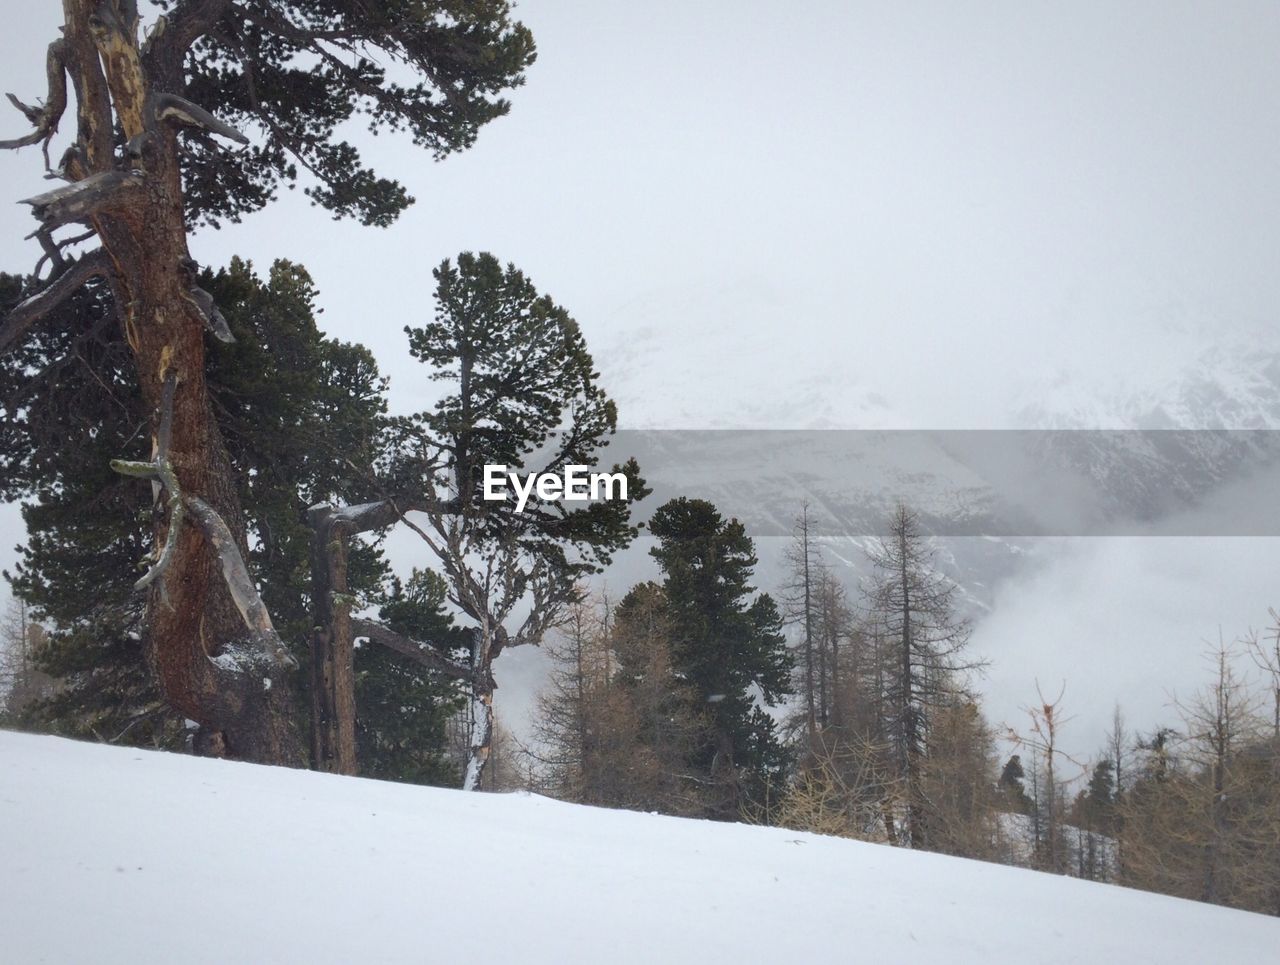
[(956, 204)]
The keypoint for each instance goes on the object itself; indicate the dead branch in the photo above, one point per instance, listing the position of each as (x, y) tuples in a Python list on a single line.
[(170, 108), (160, 470), (213, 319), (46, 118), (28, 312), (421, 653), (240, 584), (82, 200)]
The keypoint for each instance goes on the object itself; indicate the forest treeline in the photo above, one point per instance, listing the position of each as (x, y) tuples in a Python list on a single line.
[(885, 738)]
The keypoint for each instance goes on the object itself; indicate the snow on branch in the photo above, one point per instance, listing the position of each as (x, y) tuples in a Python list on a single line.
[(240, 584), (214, 321), (170, 108)]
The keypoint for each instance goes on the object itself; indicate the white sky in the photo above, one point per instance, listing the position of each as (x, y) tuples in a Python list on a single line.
[(957, 202)]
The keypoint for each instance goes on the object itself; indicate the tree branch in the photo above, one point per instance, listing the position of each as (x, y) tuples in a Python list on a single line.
[(421, 653), (81, 200), (28, 312), (213, 319), (174, 34), (45, 118), (170, 108), (240, 584)]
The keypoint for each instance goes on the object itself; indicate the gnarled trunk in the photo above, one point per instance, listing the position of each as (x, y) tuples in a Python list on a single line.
[(216, 664)]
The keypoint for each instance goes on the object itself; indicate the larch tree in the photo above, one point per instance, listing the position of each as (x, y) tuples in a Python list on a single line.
[(1201, 819), (22, 682), (589, 732), (914, 608), (1042, 739), (799, 603), (669, 723), (154, 112)]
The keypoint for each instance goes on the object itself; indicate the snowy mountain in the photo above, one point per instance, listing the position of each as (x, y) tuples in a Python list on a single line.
[(1225, 386), (759, 432), (124, 856)]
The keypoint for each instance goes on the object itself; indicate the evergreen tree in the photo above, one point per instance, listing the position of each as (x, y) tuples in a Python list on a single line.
[(523, 393), (1097, 802), (404, 708), (1012, 788), (726, 644), (293, 405), (142, 167)]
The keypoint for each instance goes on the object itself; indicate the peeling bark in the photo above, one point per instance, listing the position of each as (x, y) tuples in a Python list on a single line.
[(208, 637)]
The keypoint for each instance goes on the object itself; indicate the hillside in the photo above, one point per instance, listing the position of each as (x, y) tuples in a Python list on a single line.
[(115, 855)]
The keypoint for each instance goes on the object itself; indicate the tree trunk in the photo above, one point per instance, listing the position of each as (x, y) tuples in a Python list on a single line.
[(910, 724), (481, 706), (211, 667), (333, 686)]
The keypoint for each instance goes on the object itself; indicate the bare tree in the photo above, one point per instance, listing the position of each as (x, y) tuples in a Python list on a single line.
[(1204, 822), (1265, 651), (22, 683), (798, 609), (914, 609), (1042, 739)]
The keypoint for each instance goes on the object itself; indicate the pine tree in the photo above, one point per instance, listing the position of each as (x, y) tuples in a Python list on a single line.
[(403, 707), (143, 166), (725, 644), (1012, 787), (522, 392), (293, 406)]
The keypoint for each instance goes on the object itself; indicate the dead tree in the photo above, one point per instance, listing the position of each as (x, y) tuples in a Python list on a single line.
[(1042, 739)]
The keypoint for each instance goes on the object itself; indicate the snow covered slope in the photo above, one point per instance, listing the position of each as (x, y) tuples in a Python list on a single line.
[(114, 855)]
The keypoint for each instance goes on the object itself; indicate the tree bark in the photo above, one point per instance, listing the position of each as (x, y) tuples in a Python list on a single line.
[(211, 664), (481, 705), (333, 687)]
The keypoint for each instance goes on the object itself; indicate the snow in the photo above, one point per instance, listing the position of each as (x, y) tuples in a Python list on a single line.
[(115, 855)]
